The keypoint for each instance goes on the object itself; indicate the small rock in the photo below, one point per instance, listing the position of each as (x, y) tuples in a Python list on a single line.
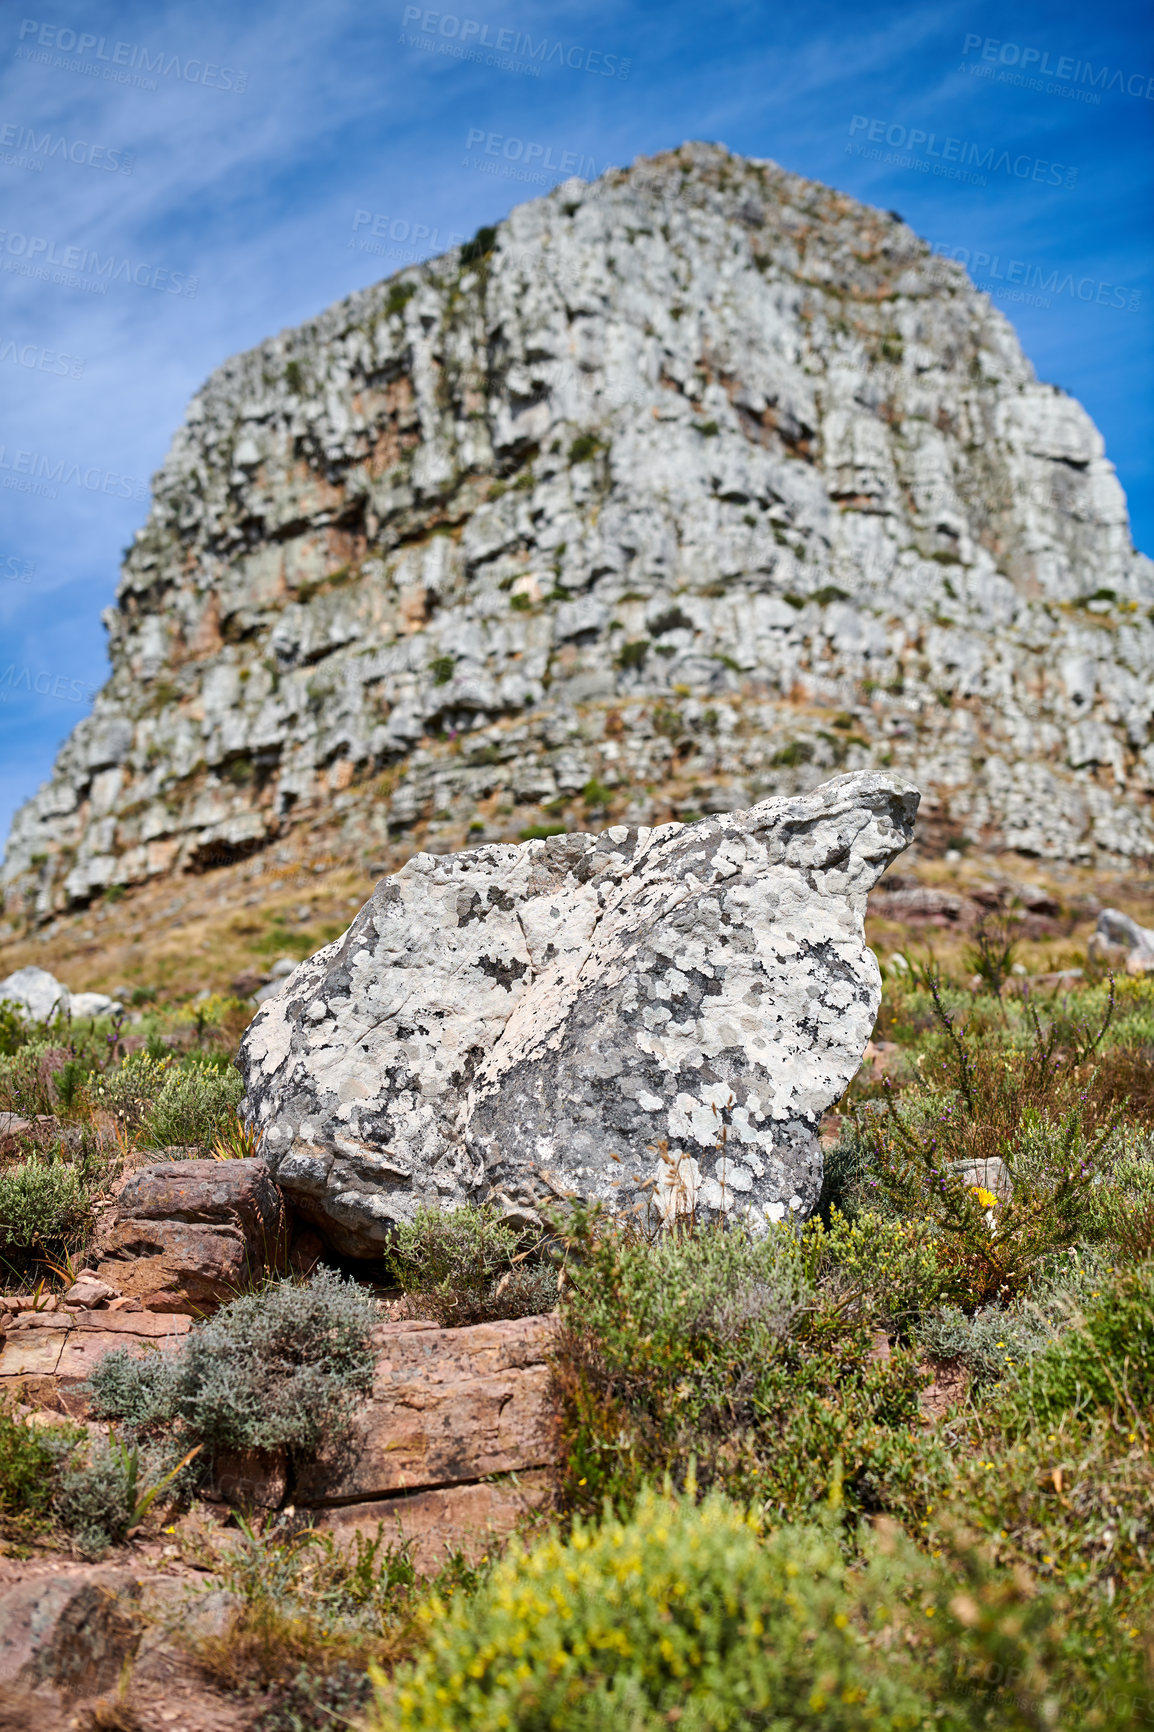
[(93, 1004), (39, 992), (249, 1478), (1119, 941), (90, 1291)]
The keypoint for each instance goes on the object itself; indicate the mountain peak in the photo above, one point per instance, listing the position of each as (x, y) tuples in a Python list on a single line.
[(673, 490)]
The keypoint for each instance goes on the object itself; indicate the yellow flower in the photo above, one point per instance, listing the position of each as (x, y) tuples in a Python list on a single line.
[(986, 1198)]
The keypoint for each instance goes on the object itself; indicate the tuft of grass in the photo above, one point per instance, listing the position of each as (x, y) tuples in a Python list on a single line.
[(311, 1616)]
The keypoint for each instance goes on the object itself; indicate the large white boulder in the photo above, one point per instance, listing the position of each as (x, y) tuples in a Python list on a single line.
[(644, 1017)]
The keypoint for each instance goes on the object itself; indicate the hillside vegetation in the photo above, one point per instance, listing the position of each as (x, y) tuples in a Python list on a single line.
[(892, 1469)]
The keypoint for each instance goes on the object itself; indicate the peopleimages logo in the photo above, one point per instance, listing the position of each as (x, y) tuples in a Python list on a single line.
[(952, 158), (44, 685), (123, 64), (48, 146), (420, 237), (33, 472), (40, 360), (535, 160), (1022, 282), (464, 38), (15, 569), (1034, 66), (33, 255)]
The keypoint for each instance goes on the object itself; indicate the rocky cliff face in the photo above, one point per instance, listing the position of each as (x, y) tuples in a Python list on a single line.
[(674, 491)]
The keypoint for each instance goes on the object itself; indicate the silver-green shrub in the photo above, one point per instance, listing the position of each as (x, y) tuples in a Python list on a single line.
[(279, 1367)]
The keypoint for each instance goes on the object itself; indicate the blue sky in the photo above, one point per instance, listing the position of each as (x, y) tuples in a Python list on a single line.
[(235, 158)]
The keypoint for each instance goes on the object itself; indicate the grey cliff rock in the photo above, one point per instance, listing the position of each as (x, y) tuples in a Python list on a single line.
[(645, 1016), (695, 485)]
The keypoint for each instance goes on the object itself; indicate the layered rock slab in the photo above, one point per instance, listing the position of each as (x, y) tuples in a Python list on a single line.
[(187, 1236), (643, 1018)]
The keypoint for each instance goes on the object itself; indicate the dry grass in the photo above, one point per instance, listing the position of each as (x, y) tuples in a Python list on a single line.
[(305, 1604), (214, 937)]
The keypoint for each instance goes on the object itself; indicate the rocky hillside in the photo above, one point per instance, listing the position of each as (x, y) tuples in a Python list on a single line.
[(692, 485)]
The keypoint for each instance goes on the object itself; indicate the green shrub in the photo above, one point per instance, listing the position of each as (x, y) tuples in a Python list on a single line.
[(129, 1090), (632, 654), (1027, 1116), (465, 1265), (1106, 1364), (29, 1454), (100, 1494), (26, 1085), (585, 446), (682, 1615), (46, 1205), (718, 1349), (1122, 1207), (991, 1343), (690, 1615), (997, 1341), (196, 1103), (281, 1366), (14, 1029), (892, 1263), (140, 1393)]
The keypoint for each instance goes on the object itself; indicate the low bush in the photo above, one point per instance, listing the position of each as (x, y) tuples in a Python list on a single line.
[(46, 1205), (26, 1077), (996, 1341), (1122, 1207), (128, 1090), (105, 1490), (1069, 1504), (892, 1264), (195, 1103), (14, 1030), (690, 1615), (684, 1614), (279, 1367), (467, 1265), (716, 1353), (29, 1455), (1000, 1158), (992, 1343), (54, 1475), (1106, 1364)]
